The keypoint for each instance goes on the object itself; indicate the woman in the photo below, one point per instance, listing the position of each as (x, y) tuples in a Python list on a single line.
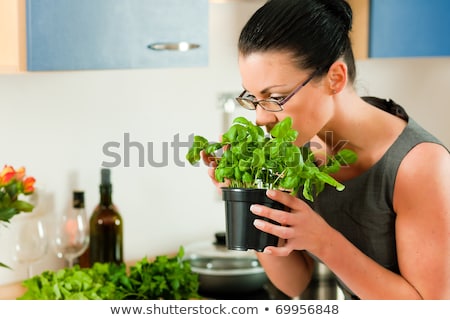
[(387, 235)]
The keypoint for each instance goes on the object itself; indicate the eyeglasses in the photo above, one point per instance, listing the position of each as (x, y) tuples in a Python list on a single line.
[(271, 104)]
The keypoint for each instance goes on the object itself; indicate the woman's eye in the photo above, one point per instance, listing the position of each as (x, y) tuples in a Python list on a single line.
[(249, 96), (277, 98)]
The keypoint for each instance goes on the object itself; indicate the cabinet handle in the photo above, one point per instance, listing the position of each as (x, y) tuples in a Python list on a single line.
[(173, 46)]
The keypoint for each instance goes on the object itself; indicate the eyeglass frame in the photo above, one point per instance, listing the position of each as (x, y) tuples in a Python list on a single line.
[(279, 103)]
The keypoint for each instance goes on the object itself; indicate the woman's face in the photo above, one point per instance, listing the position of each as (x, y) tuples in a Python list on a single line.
[(275, 75)]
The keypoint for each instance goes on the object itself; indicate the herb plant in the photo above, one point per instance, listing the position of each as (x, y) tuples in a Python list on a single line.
[(248, 158), (164, 278)]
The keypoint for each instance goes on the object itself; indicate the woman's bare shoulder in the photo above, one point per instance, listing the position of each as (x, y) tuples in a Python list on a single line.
[(423, 176)]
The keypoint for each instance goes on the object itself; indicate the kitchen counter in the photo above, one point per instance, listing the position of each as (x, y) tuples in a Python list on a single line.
[(14, 290), (11, 291)]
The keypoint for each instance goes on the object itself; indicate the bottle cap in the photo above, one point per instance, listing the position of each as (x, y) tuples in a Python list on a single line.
[(78, 199), (105, 176)]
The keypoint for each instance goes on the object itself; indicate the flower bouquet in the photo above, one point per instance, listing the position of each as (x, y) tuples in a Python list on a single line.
[(13, 184)]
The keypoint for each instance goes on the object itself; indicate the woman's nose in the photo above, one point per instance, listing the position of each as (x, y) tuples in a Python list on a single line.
[(265, 118)]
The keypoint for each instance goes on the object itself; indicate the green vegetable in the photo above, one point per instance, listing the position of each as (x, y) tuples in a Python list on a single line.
[(250, 159), (102, 281), (164, 278)]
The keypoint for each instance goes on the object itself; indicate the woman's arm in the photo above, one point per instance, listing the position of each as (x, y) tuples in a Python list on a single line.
[(422, 204), (290, 274)]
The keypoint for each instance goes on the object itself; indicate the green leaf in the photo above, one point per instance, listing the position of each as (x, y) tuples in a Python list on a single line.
[(307, 190), (7, 213), (213, 147), (346, 156), (258, 158), (242, 120), (237, 174), (22, 206), (244, 164), (330, 180), (283, 130), (224, 173), (247, 177), (199, 144)]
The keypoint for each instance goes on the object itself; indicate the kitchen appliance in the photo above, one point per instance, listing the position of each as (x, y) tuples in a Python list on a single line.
[(232, 274), (226, 273)]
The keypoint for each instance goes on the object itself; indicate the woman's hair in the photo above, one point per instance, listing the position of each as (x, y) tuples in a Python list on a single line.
[(315, 32)]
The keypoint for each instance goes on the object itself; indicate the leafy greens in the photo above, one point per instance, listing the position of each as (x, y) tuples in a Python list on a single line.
[(163, 278)]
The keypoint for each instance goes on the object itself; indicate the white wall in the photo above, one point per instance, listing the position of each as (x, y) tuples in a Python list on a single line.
[(56, 123), (420, 85)]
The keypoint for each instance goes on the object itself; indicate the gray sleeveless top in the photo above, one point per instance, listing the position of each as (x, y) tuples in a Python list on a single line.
[(363, 212)]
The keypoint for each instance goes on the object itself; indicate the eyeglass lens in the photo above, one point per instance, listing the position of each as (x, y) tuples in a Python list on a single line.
[(265, 104)]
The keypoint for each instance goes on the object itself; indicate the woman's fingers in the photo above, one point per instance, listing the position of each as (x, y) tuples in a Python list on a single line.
[(285, 198), (287, 224), (208, 159), (281, 251), (282, 217)]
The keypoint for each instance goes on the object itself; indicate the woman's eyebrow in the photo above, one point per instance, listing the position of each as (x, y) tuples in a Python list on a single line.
[(265, 90)]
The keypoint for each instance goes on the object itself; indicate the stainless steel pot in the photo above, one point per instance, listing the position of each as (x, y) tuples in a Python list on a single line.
[(228, 275), (223, 271)]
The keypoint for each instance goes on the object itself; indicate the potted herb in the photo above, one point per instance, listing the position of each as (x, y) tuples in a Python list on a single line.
[(251, 162)]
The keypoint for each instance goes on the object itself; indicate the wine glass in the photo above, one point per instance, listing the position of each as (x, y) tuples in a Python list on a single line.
[(30, 240), (72, 235)]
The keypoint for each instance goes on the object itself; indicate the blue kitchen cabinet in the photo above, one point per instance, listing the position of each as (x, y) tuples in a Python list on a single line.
[(409, 28), (114, 34)]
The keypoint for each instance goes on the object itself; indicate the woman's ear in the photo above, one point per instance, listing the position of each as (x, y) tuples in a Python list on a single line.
[(337, 77)]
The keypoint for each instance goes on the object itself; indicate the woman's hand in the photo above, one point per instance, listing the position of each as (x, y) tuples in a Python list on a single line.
[(299, 229), (210, 161)]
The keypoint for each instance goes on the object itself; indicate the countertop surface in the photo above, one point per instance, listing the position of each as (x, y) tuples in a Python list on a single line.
[(15, 290), (11, 291)]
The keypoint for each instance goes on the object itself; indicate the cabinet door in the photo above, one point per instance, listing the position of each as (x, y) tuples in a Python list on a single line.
[(12, 36), (409, 28), (114, 34), (359, 34)]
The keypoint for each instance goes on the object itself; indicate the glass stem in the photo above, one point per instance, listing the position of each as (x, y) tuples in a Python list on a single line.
[(29, 270)]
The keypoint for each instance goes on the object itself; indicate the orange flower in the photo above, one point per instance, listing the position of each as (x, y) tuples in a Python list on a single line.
[(7, 174), (12, 184), (28, 185), (20, 173)]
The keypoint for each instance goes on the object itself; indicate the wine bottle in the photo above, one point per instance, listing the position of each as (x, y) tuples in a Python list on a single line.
[(78, 204), (72, 233), (106, 226)]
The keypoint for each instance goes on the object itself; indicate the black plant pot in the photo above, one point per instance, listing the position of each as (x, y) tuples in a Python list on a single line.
[(241, 234)]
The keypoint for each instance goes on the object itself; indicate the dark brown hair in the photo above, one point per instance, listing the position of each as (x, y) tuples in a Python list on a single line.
[(315, 32)]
